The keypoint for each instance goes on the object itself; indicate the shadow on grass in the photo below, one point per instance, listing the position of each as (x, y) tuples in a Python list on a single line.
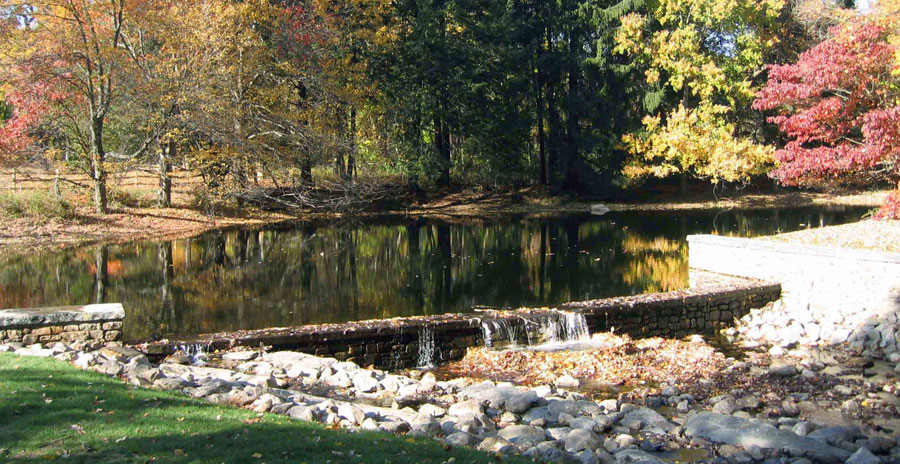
[(51, 411)]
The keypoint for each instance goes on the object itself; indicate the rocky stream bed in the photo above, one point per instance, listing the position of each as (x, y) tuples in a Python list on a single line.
[(618, 401)]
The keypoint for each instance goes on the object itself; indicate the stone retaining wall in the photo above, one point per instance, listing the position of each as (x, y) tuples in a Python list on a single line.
[(408, 342), (677, 314), (100, 322), (831, 295)]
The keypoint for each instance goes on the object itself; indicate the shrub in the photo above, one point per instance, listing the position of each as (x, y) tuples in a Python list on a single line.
[(891, 208), (137, 198), (35, 204)]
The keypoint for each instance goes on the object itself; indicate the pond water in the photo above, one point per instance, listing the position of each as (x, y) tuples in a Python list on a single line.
[(309, 273)]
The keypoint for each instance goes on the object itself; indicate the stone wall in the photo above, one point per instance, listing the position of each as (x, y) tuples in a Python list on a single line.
[(409, 342), (100, 322), (830, 295), (677, 314)]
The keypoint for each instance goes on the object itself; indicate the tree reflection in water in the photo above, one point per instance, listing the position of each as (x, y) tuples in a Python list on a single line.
[(315, 273)]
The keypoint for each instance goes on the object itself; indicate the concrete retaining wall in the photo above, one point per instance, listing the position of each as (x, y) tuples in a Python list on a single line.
[(830, 295), (101, 322), (398, 343)]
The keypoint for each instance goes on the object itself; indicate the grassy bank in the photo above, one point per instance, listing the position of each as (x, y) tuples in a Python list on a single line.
[(52, 411)]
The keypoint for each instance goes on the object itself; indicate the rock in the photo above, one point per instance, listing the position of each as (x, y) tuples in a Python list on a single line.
[(735, 431), (833, 435), (635, 456), (611, 405), (369, 424), (489, 394), (465, 408), (587, 457), (339, 379), (365, 382), (460, 439), (110, 367), (242, 356), (566, 381), (518, 404), (584, 423), (547, 451), (581, 439), (424, 426), (748, 403), (863, 456), (726, 406), (650, 420), (395, 427), (431, 410), (351, 413), (87, 360), (179, 358), (508, 418), (535, 414), (303, 413), (493, 444), (623, 440), (803, 428), (524, 436), (391, 383), (850, 407), (683, 406), (783, 370), (573, 407), (880, 445), (558, 433)]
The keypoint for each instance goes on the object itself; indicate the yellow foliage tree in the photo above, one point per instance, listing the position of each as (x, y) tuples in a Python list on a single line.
[(707, 51)]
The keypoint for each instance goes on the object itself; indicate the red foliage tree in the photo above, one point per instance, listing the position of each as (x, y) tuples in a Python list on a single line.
[(30, 103), (838, 107)]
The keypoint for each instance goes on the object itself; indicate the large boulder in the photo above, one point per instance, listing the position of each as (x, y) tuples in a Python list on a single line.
[(581, 439), (523, 436), (736, 431), (648, 420)]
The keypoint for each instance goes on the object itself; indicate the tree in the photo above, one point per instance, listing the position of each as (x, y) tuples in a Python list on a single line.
[(77, 47), (839, 107), (706, 52)]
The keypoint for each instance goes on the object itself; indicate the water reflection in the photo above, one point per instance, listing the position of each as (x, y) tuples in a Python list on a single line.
[(244, 279)]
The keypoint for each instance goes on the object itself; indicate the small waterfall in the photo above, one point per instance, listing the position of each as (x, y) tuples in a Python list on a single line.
[(555, 327), (499, 330), (426, 347), (197, 352), (574, 327)]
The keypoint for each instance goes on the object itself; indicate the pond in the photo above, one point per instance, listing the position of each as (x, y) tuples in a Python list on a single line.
[(309, 273)]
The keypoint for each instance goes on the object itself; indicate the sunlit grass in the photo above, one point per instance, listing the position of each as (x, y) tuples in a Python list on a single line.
[(52, 411)]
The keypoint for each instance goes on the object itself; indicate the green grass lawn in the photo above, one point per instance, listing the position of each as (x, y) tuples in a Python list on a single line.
[(52, 411)]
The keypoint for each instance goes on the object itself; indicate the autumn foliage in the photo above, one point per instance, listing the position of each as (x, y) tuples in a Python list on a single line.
[(839, 108)]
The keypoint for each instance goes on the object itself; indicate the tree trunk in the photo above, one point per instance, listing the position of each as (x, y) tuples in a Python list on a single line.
[(166, 154), (442, 144), (683, 182), (98, 170), (554, 123), (306, 170), (101, 257), (351, 158), (571, 174), (539, 103)]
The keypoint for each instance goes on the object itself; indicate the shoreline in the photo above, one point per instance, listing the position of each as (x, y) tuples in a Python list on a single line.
[(128, 224)]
